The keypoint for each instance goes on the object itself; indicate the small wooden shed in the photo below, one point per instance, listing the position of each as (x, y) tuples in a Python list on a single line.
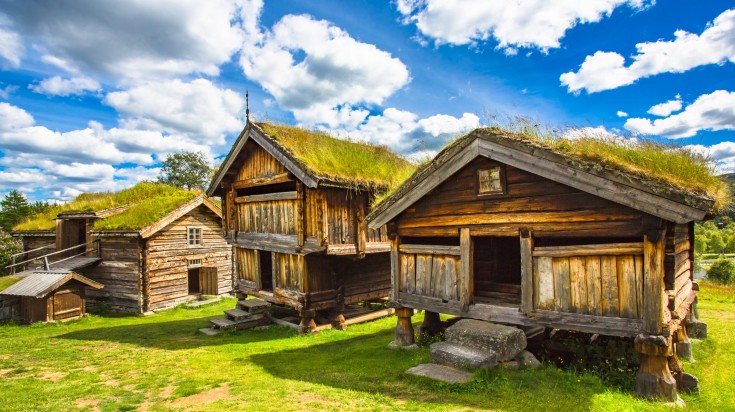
[(503, 228), (294, 205), (49, 296), (153, 246)]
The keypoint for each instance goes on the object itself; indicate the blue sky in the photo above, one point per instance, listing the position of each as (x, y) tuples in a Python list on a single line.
[(94, 94)]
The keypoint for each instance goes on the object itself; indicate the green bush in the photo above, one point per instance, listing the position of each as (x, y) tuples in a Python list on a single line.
[(8, 247), (722, 271)]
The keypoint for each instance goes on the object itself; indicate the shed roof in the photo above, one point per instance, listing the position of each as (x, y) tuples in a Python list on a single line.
[(640, 190), (316, 158), (39, 284)]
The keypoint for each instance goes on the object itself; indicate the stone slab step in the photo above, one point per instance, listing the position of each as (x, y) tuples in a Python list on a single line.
[(506, 341), (236, 314), (253, 305), (223, 323), (440, 373), (462, 357), (210, 331)]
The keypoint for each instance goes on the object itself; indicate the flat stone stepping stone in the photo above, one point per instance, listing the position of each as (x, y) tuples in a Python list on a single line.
[(440, 373), (253, 305), (210, 331), (506, 341), (462, 357)]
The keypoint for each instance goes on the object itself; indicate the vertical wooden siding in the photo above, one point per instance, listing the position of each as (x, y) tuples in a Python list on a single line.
[(288, 271), (267, 217), (432, 275), (601, 285), (248, 265), (258, 163)]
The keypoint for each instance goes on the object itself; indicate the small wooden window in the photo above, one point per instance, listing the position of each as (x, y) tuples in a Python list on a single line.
[(194, 236), (195, 263), (490, 181)]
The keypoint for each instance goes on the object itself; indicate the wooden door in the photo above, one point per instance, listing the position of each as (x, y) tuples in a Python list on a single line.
[(208, 281), (68, 302)]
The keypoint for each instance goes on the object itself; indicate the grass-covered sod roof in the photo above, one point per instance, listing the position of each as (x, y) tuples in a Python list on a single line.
[(341, 160), (148, 202), (673, 172)]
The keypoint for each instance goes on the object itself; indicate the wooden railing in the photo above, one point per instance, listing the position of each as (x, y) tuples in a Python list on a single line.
[(44, 258)]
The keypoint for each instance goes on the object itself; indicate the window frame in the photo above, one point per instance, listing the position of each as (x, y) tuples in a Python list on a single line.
[(501, 176), (198, 241)]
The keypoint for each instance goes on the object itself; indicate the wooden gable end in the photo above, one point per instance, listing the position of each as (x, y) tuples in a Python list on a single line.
[(258, 163), (528, 201)]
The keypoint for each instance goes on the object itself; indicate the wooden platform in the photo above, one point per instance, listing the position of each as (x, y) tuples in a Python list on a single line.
[(66, 265)]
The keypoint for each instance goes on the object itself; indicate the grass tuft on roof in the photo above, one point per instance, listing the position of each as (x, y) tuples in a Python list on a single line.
[(342, 160), (665, 164), (154, 200)]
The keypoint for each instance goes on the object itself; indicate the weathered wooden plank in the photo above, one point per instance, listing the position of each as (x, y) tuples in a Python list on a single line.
[(526, 271), (627, 287), (450, 279), (422, 271), (397, 270), (578, 282), (429, 249), (609, 279), (653, 283), (638, 265), (262, 181), (267, 197), (562, 285), (594, 285), (544, 274), (411, 268), (437, 276), (466, 276), (635, 248)]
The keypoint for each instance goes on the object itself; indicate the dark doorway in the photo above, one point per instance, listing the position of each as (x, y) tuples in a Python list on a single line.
[(266, 270), (497, 270), (194, 286)]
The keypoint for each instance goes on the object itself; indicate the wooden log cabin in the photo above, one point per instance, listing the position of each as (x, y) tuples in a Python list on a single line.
[(503, 228), (152, 246), (294, 206)]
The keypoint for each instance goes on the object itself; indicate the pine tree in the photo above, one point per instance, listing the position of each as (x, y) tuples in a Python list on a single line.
[(14, 208)]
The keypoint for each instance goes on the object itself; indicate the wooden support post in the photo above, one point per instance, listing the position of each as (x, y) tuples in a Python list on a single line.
[(466, 278), (307, 324), (654, 379), (337, 317), (431, 326), (300, 216), (404, 328), (683, 344), (360, 225), (653, 280), (526, 271), (395, 267)]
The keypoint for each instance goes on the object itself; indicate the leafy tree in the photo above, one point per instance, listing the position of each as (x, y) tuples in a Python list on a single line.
[(722, 271), (715, 242), (15, 208), (188, 170), (8, 247), (700, 244), (729, 244)]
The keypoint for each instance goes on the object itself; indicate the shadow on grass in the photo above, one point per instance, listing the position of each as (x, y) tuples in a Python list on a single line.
[(364, 363), (174, 335)]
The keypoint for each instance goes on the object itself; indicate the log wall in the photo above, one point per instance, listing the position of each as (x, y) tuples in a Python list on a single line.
[(550, 208), (168, 257), (678, 271), (31, 242), (120, 273)]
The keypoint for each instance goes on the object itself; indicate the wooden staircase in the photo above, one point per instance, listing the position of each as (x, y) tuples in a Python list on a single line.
[(248, 313)]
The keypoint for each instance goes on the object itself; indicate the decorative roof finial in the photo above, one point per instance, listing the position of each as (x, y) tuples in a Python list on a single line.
[(247, 106)]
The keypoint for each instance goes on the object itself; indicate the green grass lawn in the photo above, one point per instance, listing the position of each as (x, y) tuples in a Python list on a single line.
[(161, 363)]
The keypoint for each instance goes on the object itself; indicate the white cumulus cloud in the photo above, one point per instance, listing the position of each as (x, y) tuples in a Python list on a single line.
[(607, 70), (56, 86), (714, 111), (197, 108), (128, 41), (314, 69), (520, 23), (621, 113), (666, 108)]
